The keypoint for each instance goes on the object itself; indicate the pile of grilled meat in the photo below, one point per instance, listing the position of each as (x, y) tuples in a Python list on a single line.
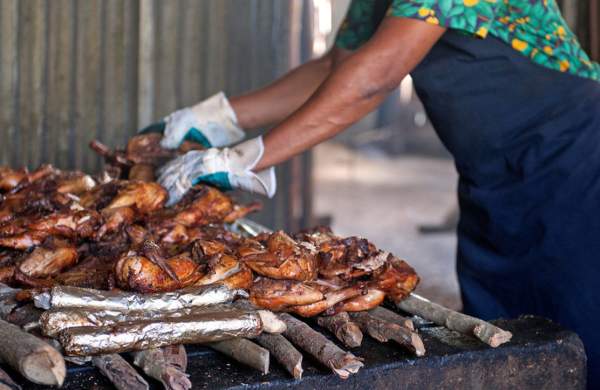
[(113, 230)]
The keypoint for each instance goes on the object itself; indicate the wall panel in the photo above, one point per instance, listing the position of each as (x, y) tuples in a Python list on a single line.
[(76, 70)]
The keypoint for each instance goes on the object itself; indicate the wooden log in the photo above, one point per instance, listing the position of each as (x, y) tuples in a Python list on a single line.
[(462, 323), (384, 331), (343, 328), (6, 382), (245, 352), (7, 300), (119, 372), (283, 351), (31, 357), (26, 316), (339, 361), (156, 365), (176, 356), (388, 315)]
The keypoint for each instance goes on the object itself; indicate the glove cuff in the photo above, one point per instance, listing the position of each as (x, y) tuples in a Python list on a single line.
[(263, 182)]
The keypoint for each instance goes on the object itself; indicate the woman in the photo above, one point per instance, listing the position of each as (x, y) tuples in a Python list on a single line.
[(512, 96)]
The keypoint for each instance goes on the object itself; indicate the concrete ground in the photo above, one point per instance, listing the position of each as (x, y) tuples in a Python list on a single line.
[(385, 199)]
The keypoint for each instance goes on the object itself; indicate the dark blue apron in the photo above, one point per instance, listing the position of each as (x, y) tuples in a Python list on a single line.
[(526, 142)]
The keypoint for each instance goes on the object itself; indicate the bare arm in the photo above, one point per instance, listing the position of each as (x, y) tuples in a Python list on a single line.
[(275, 102), (352, 89)]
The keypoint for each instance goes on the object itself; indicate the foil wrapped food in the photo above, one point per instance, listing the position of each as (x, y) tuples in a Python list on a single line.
[(67, 296), (55, 320), (135, 336)]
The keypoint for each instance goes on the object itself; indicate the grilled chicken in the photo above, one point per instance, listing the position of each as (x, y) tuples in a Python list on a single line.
[(241, 279), (282, 258), (368, 301), (279, 295), (145, 197), (138, 273), (49, 260), (330, 300)]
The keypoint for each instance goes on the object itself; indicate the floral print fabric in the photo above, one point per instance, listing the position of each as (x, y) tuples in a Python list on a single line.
[(535, 28)]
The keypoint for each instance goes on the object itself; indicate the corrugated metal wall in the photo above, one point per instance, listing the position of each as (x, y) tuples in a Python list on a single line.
[(76, 70)]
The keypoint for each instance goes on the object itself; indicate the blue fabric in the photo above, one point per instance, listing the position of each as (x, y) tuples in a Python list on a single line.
[(158, 127), (217, 179), (196, 135), (526, 143)]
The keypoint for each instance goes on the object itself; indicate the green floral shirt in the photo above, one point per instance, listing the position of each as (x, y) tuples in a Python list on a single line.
[(535, 28)]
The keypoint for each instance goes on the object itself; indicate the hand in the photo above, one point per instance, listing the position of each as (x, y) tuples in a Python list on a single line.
[(226, 168), (212, 123)]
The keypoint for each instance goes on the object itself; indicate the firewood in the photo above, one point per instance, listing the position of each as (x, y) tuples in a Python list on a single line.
[(245, 352), (462, 323), (6, 382), (343, 328), (176, 356), (7, 300), (388, 315), (119, 372), (157, 365), (339, 361), (26, 316), (31, 357), (283, 351), (384, 331)]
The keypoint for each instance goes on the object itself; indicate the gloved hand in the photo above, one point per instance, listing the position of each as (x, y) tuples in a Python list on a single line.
[(226, 168), (212, 123)]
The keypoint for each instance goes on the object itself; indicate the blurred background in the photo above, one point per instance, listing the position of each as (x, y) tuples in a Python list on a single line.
[(76, 70)]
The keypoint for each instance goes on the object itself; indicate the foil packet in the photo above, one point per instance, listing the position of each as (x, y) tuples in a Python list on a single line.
[(136, 336), (67, 296), (54, 321)]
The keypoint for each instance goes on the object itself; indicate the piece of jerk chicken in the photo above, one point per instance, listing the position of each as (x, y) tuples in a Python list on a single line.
[(396, 278), (92, 272), (279, 295), (138, 273), (282, 258), (216, 259), (204, 205), (69, 224), (10, 178), (330, 299), (49, 259), (133, 199)]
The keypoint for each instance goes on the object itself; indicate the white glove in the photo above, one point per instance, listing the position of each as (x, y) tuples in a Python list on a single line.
[(226, 168), (211, 122)]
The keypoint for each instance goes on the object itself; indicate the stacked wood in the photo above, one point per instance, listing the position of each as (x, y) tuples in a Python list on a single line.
[(462, 323), (167, 365), (245, 352), (119, 372), (339, 361), (31, 357), (343, 328), (384, 331)]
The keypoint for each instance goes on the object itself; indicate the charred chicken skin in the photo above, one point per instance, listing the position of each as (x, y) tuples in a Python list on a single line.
[(282, 258)]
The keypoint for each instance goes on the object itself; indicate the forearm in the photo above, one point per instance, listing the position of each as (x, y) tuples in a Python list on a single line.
[(353, 89), (272, 104)]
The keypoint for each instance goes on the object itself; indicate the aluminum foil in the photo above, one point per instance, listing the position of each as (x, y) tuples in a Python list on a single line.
[(67, 296), (204, 328), (55, 320)]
